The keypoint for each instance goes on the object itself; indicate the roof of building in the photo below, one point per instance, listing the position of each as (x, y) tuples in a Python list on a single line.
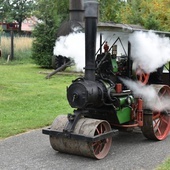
[(29, 24)]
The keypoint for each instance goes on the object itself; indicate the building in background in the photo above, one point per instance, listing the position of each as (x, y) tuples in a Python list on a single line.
[(28, 25)]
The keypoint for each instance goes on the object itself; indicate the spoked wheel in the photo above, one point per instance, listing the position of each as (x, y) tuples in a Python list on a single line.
[(142, 76), (157, 123), (86, 127), (102, 147)]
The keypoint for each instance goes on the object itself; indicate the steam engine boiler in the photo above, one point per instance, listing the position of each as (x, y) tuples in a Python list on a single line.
[(102, 104)]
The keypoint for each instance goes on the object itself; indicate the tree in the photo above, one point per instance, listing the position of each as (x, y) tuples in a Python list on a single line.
[(16, 10), (51, 15), (152, 14), (109, 10), (3, 10), (20, 10), (130, 13)]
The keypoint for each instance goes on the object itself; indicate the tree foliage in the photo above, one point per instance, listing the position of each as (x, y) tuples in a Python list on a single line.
[(16, 10), (152, 14), (43, 44), (3, 10), (109, 10), (51, 14)]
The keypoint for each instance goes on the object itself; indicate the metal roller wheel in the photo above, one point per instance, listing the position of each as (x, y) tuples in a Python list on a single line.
[(157, 123), (87, 127)]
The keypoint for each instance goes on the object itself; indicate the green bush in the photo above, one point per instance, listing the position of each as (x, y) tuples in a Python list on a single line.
[(43, 44)]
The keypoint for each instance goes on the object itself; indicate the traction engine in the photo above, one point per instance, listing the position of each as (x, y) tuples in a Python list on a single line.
[(103, 104)]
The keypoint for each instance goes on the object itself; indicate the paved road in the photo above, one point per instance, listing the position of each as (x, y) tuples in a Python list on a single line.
[(129, 151)]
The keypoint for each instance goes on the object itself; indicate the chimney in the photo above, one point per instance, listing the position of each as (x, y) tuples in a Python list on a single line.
[(76, 10), (91, 15)]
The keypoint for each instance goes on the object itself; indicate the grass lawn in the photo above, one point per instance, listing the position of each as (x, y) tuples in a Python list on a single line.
[(165, 165), (28, 100)]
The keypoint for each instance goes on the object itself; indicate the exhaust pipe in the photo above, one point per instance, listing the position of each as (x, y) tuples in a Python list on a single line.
[(91, 14)]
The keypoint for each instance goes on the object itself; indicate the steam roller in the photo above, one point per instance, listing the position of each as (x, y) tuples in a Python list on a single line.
[(103, 104)]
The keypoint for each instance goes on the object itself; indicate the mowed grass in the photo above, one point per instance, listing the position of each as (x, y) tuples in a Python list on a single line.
[(28, 100), (165, 165)]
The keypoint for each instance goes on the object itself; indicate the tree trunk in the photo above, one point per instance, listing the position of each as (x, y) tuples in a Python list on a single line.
[(20, 26)]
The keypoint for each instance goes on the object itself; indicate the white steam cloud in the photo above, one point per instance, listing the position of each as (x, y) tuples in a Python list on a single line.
[(149, 95), (73, 46), (149, 50)]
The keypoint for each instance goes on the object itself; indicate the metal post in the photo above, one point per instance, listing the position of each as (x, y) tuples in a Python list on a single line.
[(169, 73), (0, 45), (12, 45), (101, 43), (129, 60)]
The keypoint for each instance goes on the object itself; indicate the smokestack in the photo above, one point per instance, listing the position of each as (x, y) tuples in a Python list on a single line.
[(91, 14), (76, 10)]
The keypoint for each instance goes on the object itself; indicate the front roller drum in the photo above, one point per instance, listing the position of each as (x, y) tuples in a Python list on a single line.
[(86, 127)]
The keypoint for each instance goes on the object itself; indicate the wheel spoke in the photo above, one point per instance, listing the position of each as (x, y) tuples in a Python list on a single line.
[(94, 144), (156, 116), (102, 128), (97, 149), (164, 120), (98, 146), (156, 123), (159, 132), (163, 93), (98, 132)]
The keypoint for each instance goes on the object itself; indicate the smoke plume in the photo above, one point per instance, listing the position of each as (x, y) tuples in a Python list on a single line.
[(149, 50), (149, 95), (73, 46)]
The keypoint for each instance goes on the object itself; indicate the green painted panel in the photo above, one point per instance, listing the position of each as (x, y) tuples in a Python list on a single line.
[(114, 65), (123, 115)]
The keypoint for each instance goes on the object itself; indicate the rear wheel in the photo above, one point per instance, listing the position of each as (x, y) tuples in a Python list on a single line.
[(142, 76), (157, 123)]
